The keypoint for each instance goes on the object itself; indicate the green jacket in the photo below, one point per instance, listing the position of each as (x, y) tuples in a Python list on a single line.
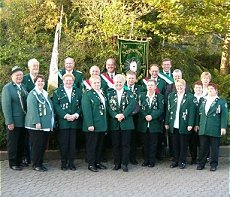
[(155, 109), (216, 118), (161, 85), (63, 106), (28, 82), (186, 114), (94, 112), (39, 110), (77, 74), (126, 108), (14, 104)]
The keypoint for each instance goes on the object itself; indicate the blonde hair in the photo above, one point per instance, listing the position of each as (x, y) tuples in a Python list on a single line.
[(94, 77), (180, 81), (119, 77), (206, 74), (68, 75)]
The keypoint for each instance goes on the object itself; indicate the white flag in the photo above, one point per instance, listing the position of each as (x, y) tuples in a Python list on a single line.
[(53, 71)]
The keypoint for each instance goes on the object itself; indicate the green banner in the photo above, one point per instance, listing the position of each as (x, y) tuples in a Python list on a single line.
[(133, 55)]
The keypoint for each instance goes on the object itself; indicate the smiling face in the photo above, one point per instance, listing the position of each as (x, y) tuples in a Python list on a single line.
[(205, 80), (94, 70), (17, 77), (198, 89), (95, 83), (68, 82), (110, 65), (131, 79), (180, 86), (151, 86), (40, 83), (153, 71), (69, 64), (212, 91), (166, 66)]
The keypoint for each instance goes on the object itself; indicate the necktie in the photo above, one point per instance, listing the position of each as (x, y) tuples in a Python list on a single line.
[(111, 76), (130, 88)]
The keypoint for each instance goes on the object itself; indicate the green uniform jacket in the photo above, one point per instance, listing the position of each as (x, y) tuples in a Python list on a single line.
[(126, 108), (62, 106), (217, 118), (161, 85), (155, 109), (77, 74), (14, 104), (39, 111), (94, 112), (186, 114), (28, 82)]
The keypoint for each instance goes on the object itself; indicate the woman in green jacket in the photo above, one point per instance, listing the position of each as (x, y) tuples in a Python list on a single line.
[(39, 121)]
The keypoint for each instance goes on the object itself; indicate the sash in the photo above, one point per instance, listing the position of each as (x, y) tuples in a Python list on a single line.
[(87, 84), (108, 80), (59, 74), (168, 79)]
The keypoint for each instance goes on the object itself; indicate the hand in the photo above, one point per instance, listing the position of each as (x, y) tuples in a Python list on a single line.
[(148, 118), (10, 127), (38, 126), (91, 128), (167, 127), (223, 131), (196, 129), (189, 128)]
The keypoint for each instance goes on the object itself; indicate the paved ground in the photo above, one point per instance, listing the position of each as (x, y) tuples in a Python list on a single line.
[(139, 181)]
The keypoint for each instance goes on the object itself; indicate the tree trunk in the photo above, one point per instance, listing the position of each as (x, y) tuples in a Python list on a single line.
[(224, 65)]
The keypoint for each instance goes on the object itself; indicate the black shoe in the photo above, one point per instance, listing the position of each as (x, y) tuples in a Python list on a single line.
[(145, 163), (125, 168), (199, 167), (64, 167), (38, 169), (182, 165), (117, 167), (101, 166), (72, 167), (173, 165), (24, 165), (16, 168), (213, 168), (92, 168), (44, 168), (151, 165), (134, 162)]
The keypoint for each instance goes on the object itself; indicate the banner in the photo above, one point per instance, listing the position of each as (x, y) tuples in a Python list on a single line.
[(53, 70), (133, 55)]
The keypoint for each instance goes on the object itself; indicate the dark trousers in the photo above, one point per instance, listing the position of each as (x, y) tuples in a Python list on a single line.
[(94, 143), (205, 143), (193, 145), (67, 142), (180, 146), (150, 141), (38, 141), (15, 142), (27, 147), (121, 146), (134, 139)]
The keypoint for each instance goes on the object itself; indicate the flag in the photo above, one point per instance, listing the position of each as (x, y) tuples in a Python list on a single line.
[(53, 70), (133, 55)]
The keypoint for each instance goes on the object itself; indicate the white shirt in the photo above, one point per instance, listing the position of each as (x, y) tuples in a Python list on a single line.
[(177, 117), (150, 102), (209, 103), (68, 92), (32, 77), (119, 94)]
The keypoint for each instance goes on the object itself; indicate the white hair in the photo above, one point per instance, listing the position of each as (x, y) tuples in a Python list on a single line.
[(32, 62)]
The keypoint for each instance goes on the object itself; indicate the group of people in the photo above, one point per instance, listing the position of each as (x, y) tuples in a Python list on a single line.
[(161, 106)]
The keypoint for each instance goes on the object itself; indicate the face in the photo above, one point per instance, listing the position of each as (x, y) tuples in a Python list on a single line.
[(68, 82), (151, 86), (153, 71), (69, 64), (17, 77), (166, 66), (94, 71), (180, 87), (34, 69), (212, 91), (96, 84), (205, 80), (198, 89), (131, 79), (40, 83), (119, 84), (177, 76), (110, 66)]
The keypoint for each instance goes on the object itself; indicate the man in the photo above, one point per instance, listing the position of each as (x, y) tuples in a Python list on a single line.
[(166, 71), (28, 79), (108, 76), (131, 79), (69, 68), (14, 109)]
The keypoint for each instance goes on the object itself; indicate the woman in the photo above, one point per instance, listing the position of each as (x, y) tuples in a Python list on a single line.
[(121, 104), (179, 121), (94, 106), (213, 123), (205, 78), (67, 107), (39, 121), (150, 121), (14, 109)]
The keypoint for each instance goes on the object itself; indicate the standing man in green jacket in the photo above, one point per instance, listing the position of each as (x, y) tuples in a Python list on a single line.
[(14, 96), (213, 123), (180, 117), (94, 105)]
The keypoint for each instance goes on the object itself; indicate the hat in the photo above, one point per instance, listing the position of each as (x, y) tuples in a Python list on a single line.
[(15, 69)]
